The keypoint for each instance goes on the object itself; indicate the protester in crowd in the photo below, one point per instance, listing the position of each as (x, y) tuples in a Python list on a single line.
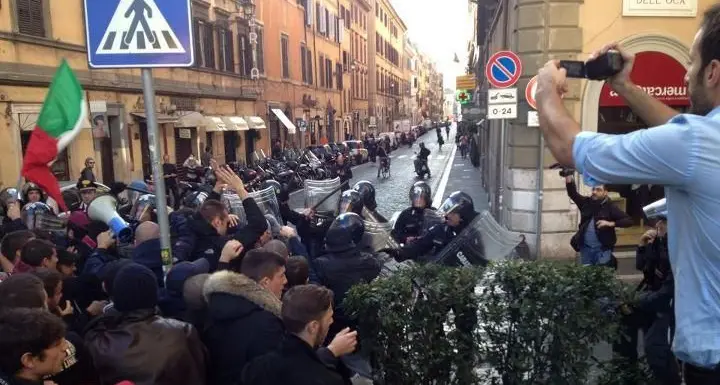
[(104, 253), (147, 249), (11, 247), (163, 351), (297, 271), (195, 302), (35, 254), (307, 313), (172, 301), (244, 314)]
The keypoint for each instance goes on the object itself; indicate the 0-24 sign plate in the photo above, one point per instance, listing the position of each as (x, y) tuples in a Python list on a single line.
[(502, 111)]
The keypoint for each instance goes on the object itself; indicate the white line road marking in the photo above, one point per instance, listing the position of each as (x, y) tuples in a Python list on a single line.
[(440, 191)]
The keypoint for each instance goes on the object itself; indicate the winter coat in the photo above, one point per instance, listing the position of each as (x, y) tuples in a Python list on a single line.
[(243, 323), (595, 210)]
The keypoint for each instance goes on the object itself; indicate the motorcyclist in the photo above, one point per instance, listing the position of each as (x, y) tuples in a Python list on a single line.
[(367, 193), (422, 158), (384, 159), (459, 211), (344, 265), (411, 222)]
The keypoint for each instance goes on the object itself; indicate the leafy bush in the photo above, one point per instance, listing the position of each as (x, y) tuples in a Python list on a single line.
[(524, 322)]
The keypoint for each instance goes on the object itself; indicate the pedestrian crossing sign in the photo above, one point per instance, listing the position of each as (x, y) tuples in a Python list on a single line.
[(139, 33)]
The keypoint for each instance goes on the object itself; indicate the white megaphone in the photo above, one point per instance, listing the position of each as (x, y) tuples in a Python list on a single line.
[(103, 208), (656, 209)]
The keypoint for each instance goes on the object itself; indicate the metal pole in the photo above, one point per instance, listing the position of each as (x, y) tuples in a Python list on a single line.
[(158, 178), (501, 173), (540, 189)]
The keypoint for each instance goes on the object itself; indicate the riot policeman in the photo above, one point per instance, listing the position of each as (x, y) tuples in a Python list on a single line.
[(367, 193), (459, 212), (653, 310), (351, 202), (344, 264), (33, 193), (412, 221)]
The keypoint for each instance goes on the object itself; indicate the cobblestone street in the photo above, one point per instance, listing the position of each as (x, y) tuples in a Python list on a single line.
[(392, 193)]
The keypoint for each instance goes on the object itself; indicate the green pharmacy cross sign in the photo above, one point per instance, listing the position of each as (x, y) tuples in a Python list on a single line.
[(463, 96)]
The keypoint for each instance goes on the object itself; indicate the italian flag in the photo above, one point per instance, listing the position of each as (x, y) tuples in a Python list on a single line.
[(59, 122)]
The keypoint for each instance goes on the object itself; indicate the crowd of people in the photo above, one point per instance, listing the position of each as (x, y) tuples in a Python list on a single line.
[(257, 302)]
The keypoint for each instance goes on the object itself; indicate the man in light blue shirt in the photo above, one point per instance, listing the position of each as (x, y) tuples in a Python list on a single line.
[(681, 152)]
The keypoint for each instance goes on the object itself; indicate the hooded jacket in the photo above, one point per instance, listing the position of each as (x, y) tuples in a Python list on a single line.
[(148, 255), (243, 323)]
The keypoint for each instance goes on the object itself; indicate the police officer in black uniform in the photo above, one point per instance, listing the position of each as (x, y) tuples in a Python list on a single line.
[(459, 212), (410, 223), (367, 193), (653, 311), (344, 265)]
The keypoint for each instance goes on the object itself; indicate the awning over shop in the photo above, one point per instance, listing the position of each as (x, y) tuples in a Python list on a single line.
[(235, 123), (255, 122), (285, 121), (190, 119), (161, 118), (214, 124)]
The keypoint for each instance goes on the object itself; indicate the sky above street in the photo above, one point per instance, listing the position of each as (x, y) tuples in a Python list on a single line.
[(440, 29)]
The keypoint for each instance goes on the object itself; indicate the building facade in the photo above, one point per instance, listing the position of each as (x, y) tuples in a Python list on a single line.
[(515, 163), (413, 99), (389, 86), (302, 72)]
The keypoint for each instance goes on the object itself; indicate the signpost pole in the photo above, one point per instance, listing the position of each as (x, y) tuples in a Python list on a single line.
[(158, 178), (501, 174)]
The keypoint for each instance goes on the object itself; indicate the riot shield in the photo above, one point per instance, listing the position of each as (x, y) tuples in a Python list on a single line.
[(481, 241), (377, 236), (268, 203), (317, 190), (234, 206)]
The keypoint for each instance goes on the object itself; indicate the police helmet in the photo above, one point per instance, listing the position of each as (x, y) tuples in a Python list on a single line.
[(30, 186), (8, 195), (367, 192), (458, 203), (345, 224), (350, 201), (274, 184), (145, 204), (194, 200), (420, 195)]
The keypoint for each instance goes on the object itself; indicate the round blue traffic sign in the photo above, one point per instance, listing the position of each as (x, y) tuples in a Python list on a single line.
[(503, 69)]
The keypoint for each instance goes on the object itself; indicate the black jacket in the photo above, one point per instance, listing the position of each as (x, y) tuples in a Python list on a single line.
[(207, 243), (146, 349), (410, 223), (594, 210), (295, 363), (657, 287), (425, 248), (243, 324), (339, 271)]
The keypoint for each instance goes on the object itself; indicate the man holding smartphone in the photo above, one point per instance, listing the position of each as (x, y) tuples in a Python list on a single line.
[(689, 176)]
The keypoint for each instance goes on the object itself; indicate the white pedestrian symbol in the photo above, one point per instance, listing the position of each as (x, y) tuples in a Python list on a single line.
[(138, 26)]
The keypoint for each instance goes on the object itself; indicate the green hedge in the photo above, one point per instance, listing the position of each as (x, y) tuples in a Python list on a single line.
[(513, 323)]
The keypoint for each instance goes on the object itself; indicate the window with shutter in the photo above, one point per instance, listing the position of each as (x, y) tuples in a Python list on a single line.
[(331, 25), (327, 22), (303, 64), (318, 16), (229, 51), (284, 52), (197, 42), (339, 74), (245, 54), (30, 17), (260, 49), (208, 48), (309, 60), (329, 69), (309, 12), (321, 71), (341, 30)]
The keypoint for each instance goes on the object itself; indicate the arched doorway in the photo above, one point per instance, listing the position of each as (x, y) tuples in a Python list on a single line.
[(660, 70)]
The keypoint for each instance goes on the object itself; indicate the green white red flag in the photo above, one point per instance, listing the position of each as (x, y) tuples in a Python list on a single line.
[(59, 122)]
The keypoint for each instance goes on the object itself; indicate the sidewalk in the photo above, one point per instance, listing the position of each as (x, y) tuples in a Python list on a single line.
[(462, 176)]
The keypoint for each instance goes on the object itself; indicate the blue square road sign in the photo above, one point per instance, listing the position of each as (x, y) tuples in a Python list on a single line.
[(139, 33)]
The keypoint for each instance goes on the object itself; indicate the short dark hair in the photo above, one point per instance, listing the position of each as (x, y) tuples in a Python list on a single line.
[(98, 118), (258, 264), (35, 251), (297, 271), (51, 279), (22, 290), (14, 241), (709, 46), (66, 258), (304, 304), (212, 209), (25, 331)]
